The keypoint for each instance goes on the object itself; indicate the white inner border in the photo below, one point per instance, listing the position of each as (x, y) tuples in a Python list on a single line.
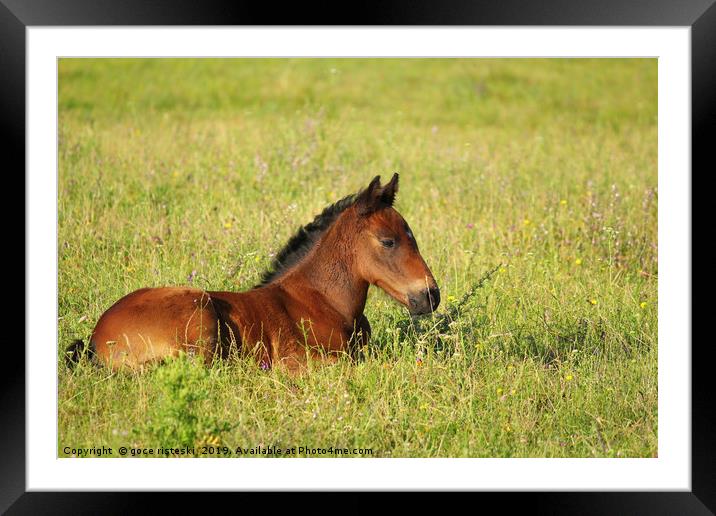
[(672, 468)]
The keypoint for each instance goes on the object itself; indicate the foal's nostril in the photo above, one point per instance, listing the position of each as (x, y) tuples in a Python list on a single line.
[(425, 301)]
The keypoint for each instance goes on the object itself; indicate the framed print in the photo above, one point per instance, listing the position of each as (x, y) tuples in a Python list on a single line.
[(456, 246)]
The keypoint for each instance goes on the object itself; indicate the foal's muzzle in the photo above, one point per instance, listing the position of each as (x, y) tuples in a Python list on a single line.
[(424, 302)]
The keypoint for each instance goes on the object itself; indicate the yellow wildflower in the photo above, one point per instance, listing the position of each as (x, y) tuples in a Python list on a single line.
[(569, 377), (578, 261), (642, 304), (563, 202)]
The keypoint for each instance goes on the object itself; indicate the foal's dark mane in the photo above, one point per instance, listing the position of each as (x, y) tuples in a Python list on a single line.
[(304, 239)]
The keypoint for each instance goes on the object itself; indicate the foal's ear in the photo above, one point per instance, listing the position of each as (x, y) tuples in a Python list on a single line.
[(391, 188), (377, 197), (373, 186)]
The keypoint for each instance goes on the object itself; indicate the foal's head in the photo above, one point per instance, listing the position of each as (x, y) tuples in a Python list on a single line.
[(387, 253)]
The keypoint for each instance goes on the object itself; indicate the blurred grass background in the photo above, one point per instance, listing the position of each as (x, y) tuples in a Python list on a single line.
[(194, 171)]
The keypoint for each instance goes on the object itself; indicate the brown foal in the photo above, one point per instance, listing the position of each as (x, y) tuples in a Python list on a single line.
[(309, 306)]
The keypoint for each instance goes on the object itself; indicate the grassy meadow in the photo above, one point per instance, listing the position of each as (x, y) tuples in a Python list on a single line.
[(530, 185)]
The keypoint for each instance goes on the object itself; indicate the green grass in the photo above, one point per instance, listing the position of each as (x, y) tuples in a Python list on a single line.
[(173, 171)]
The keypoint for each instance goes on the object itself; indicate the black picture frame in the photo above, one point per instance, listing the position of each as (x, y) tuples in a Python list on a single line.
[(699, 15)]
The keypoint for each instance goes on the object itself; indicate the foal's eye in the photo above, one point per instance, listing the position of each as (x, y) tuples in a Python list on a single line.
[(387, 242)]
